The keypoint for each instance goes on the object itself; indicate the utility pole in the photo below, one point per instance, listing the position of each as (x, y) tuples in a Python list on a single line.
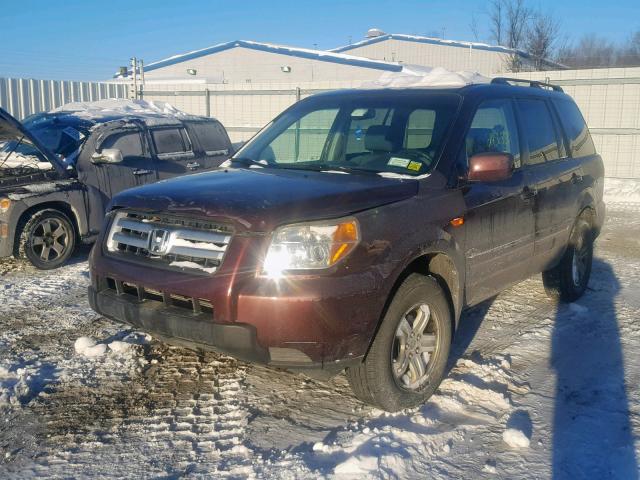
[(134, 68), (141, 78)]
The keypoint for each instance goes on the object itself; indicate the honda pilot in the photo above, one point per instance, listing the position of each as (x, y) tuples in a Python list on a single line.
[(353, 230)]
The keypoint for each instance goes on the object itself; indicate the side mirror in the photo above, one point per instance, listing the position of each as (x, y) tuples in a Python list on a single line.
[(107, 155), (490, 167)]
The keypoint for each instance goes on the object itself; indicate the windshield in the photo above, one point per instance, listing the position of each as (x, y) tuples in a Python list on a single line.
[(401, 134), (19, 156)]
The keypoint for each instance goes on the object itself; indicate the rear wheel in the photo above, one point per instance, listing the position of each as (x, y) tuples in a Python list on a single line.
[(409, 354), (48, 239), (568, 280)]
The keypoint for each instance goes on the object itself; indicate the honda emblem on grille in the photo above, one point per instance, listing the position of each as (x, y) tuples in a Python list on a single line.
[(158, 241)]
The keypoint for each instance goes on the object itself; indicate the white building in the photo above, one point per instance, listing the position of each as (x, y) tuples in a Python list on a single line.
[(435, 52), (243, 61)]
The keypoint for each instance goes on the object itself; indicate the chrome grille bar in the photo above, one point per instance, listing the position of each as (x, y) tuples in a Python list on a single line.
[(172, 243)]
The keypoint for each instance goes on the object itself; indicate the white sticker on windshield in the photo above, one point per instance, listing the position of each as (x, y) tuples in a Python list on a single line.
[(398, 162)]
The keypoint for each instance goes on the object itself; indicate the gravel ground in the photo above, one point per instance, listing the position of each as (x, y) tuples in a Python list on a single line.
[(535, 390)]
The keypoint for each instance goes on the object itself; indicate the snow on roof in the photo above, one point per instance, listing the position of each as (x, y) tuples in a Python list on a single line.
[(425, 77), (439, 41), (321, 55), (120, 108)]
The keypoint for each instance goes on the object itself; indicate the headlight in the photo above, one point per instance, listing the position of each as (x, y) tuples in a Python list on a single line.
[(5, 203), (310, 246)]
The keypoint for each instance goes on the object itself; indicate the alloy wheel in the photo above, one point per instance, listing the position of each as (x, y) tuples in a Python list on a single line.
[(414, 345)]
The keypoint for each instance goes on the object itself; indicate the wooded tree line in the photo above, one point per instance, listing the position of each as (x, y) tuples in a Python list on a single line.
[(514, 24)]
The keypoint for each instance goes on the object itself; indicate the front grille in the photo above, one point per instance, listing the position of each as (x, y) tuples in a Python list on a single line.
[(144, 294), (172, 242)]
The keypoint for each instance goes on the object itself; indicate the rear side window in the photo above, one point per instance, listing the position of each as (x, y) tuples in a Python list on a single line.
[(171, 141), (494, 130), (539, 130), (212, 137), (576, 129), (129, 144)]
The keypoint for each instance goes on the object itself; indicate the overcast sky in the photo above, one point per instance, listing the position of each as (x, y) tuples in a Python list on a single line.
[(88, 40)]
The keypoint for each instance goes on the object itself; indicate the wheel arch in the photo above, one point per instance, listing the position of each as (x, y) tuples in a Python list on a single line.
[(439, 263), (58, 205)]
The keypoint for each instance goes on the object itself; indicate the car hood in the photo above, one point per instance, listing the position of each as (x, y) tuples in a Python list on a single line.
[(11, 128), (262, 198)]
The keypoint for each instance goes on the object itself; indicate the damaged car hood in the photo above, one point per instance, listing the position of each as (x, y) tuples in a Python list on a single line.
[(260, 199), (10, 129)]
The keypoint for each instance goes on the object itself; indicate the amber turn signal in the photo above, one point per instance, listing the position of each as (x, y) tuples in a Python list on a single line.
[(456, 222), (5, 203), (345, 239)]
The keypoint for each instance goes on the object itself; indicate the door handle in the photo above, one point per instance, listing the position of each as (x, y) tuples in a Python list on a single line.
[(141, 171), (193, 165), (576, 178)]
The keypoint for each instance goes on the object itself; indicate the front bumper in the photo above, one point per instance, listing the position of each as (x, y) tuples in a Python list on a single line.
[(174, 325), (311, 322)]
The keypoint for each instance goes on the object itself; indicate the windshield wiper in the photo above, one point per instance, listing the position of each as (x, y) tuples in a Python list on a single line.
[(250, 161)]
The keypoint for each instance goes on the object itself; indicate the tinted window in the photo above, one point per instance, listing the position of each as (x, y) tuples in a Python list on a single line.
[(170, 140), (539, 130), (493, 129), (576, 129), (128, 143), (211, 136)]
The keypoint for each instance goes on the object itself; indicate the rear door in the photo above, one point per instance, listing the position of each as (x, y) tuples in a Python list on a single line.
[(173, 149), (211, 143), (552, 177), (499, 221)]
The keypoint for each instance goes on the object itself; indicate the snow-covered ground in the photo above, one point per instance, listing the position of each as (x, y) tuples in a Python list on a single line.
[(535, 390)]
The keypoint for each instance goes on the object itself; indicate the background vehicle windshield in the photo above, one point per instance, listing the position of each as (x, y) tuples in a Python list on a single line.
[(395, 133), (19, 156)]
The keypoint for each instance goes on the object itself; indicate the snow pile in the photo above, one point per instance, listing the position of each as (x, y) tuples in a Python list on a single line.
[(87, 346), (618, 191), (127, 348), (436, 77), (515, 438), (120, 107)]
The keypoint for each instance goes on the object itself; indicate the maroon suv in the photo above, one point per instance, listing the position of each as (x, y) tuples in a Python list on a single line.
[(352, 231)]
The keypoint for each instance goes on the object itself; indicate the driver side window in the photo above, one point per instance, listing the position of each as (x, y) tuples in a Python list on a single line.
[(494, 130)]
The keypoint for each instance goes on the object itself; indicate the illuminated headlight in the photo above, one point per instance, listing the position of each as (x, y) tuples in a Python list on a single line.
[(5, 203), (310, 246)]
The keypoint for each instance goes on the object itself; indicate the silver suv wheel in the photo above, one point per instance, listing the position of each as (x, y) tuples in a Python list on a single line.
[(415, 342)]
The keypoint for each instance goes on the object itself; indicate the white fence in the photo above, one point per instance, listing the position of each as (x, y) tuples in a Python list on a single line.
[(22, 97), (609, 99)]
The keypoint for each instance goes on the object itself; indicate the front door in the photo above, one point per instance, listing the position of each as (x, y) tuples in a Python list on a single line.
[(104, 180), (499, 221)]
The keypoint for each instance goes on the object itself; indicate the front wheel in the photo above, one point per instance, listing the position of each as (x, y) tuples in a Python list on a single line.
[(48, 239), (568, 280), (408, 357)]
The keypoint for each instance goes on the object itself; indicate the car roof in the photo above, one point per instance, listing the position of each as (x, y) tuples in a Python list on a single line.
[(471, 90)]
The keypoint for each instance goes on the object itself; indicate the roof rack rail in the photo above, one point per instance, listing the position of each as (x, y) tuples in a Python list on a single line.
[(532, 83)]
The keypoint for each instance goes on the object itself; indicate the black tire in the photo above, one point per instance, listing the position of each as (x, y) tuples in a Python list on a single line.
[(567, 281), (47, 239), (374, 381)]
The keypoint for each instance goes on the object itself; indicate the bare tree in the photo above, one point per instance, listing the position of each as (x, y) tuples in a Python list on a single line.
[(474, 27), (517, 16), (629, 54), (496, 21), (591, 51), (541, 37)]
